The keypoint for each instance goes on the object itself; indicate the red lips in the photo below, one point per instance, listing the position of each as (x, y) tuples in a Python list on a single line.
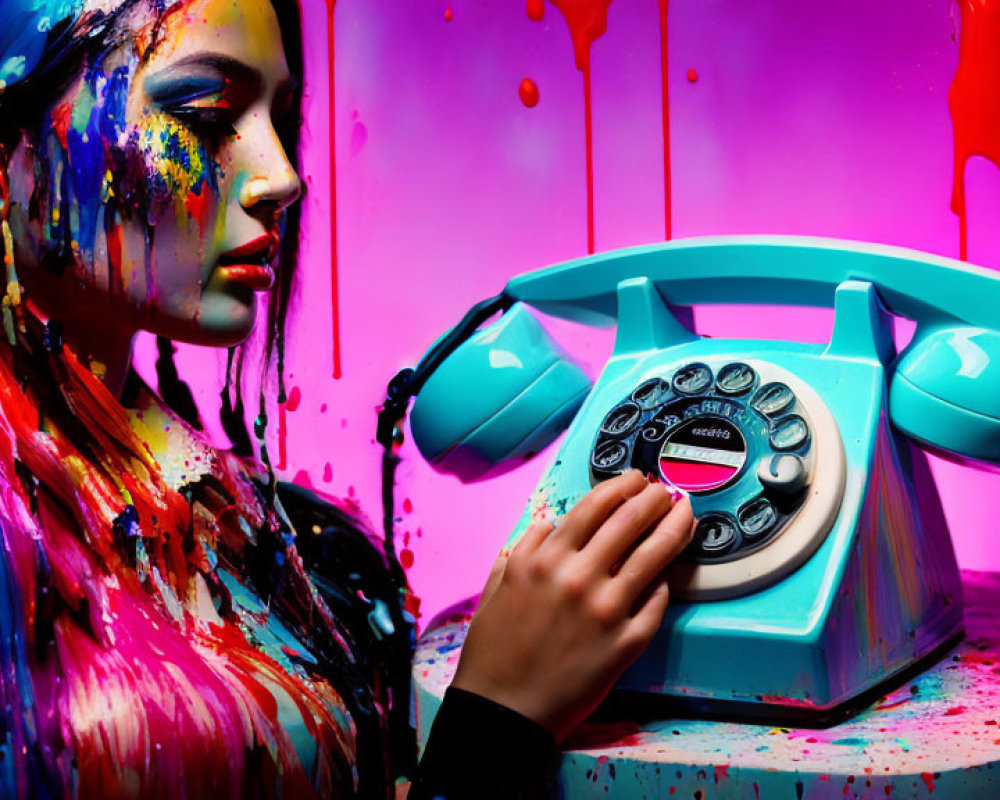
[(250, 263)]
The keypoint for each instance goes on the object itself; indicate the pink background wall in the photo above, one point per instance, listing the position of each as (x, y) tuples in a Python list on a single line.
[(826, 119)]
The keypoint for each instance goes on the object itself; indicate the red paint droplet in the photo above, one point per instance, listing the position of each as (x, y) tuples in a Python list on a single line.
[(350, 491), (536, 10), (302, 479), (327, 472), (928, 778), (294, 398), (528, 91), (406, 558), (407, 506), (448, 14), (692, 75), (955, 711)]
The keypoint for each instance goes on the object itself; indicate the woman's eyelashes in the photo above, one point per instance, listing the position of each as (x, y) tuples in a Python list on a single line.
[(212, 123), (201, 103)]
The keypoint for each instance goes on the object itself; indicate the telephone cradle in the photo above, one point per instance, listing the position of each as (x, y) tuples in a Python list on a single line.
[(821, 569)]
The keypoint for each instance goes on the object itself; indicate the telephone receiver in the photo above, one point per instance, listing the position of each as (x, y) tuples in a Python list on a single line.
[(511, 389), (821, 569)]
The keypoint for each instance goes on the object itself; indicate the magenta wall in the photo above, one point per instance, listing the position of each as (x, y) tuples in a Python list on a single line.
[(826, 119)]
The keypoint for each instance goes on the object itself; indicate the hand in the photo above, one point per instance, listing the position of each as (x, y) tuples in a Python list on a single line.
[(574, 604)]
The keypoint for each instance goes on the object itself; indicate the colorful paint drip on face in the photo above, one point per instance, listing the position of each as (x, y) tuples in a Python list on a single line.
[(972, 99), (587, 21)]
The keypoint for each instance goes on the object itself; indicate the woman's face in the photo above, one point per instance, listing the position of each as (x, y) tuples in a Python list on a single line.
[(165, 177)]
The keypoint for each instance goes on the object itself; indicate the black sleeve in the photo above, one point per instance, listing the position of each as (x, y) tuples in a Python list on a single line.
[(479, 749)]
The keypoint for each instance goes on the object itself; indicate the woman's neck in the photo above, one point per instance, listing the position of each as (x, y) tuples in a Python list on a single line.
[(101, 343)]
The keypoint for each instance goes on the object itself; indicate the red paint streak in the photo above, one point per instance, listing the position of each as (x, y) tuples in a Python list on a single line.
[(294, 398), (406, 558), (197, 207), (692, 75), (528, 92), (928, 778), (720, 771), (62, 117), (665, 116), (972, 99), (587, 20), (955, 711), (282, 437), (327, 472), (589, 138), (536, 10), (448, 14), (331, 124), (407, 506), (114, 240)]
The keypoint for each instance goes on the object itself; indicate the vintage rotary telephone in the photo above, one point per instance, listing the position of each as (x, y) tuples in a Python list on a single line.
[(821, 567)]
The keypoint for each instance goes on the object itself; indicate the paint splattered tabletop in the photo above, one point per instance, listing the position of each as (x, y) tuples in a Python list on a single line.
[(936, 735)]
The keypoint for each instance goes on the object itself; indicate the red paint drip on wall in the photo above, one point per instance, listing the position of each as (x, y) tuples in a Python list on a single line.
[(282, 437), (528, 92), (587, 20), (928, 778), (972, 99), (665, 114), (331, 124)]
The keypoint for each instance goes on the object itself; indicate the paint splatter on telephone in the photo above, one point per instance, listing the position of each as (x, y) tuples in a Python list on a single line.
[(821, 567)]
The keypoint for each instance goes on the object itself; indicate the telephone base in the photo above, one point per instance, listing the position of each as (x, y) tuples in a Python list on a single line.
[(642, 707)]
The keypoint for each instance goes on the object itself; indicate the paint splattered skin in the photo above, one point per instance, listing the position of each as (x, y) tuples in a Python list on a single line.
[(155, 168), (164, 632)]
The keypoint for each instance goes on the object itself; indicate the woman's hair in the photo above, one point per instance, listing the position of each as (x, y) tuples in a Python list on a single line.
[(85, 39), (100, 557)]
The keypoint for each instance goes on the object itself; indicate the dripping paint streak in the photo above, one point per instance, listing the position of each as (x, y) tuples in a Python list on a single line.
[(665, 110), (587, 21), (975, 114), (331, 124), (282, 436), (589, 133)]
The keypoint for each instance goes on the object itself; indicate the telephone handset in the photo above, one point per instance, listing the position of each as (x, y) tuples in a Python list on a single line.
[(821, 567)]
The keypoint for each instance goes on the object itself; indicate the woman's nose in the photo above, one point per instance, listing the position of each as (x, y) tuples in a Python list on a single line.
[(273, 183)]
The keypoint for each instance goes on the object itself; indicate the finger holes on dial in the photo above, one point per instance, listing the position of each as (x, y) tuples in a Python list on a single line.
[(735, 379), (757, 518), (773, 398), (621, 420), (789, 433), (651, 393), (715, 535), (692, 379)]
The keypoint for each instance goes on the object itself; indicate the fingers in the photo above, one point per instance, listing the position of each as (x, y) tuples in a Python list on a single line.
[(623, 528), (577, 527), (667, 540), (647, 620), (493, 581), (525, 547)]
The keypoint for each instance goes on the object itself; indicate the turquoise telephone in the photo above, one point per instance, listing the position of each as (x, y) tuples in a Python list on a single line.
[(821, 567)]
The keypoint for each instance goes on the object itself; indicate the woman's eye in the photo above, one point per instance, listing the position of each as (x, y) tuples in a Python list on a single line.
[(212, 122)]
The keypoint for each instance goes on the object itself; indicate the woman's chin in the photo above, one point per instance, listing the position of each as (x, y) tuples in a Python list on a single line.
[(223, 320)]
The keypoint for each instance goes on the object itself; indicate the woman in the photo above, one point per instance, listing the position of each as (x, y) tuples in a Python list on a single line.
[(175, 624)]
